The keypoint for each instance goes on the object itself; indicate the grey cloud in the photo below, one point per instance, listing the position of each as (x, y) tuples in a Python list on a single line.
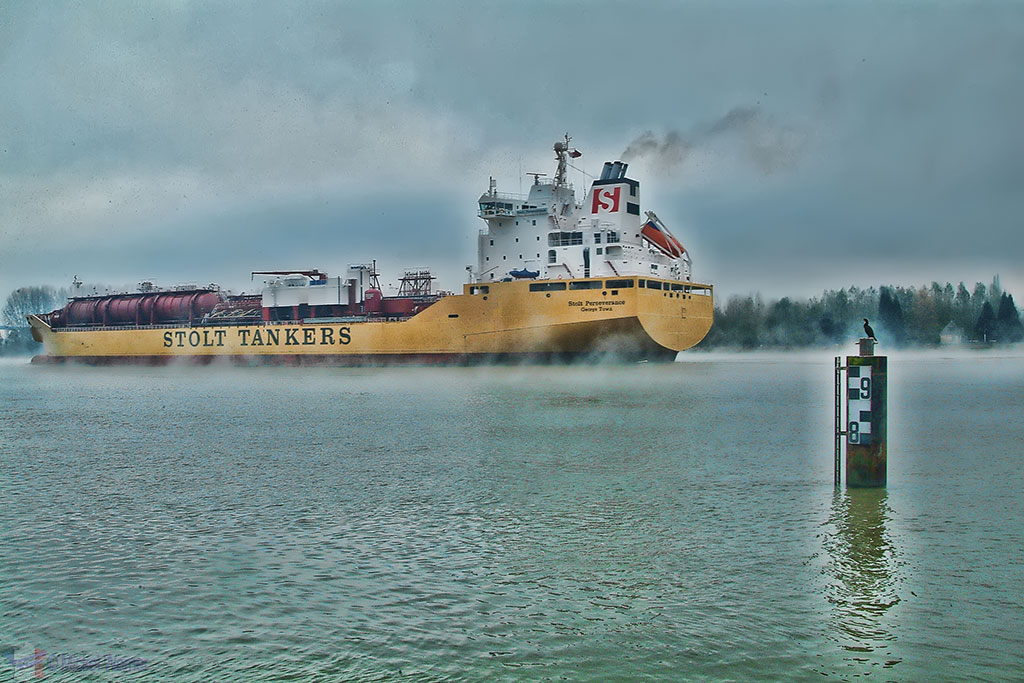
[(766, 125)]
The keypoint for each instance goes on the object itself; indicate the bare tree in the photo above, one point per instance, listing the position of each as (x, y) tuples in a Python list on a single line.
[(28, 300)]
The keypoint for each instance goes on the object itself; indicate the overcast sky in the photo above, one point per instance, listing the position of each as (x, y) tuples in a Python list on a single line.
[(791, 146)]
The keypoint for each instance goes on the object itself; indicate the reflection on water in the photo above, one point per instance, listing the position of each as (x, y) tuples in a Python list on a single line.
[(863, 568)]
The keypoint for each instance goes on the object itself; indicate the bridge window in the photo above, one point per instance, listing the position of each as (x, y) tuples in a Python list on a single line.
[(564, 239), (587, 284), (619, 284), (547, 287)]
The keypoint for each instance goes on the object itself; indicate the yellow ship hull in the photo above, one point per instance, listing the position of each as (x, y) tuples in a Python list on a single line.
[(500, 319)]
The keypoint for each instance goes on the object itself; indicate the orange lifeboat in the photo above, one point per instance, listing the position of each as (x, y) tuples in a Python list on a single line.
[(661, 239)]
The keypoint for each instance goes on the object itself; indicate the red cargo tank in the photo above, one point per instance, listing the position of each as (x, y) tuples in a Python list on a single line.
[(123, 310), (139, 309), (79, 312), (183, 306)]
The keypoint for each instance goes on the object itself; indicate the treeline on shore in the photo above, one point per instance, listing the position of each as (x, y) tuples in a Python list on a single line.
[(900, 316)]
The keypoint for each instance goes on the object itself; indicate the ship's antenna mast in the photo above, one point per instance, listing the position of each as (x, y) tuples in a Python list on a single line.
[(561, 154)]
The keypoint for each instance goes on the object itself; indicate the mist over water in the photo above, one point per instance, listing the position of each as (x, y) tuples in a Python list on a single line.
[(589, 522)]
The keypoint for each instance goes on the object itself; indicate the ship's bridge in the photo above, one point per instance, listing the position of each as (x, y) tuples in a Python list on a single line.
[(500, 204)]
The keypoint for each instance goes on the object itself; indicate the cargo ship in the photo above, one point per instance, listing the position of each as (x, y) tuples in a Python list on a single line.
[(555, 279)]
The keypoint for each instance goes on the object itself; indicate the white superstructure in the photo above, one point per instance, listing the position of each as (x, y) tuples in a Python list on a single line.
[(313, 288), (547, 232)]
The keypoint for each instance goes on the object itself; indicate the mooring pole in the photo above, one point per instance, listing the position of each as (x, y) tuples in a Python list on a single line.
[(838, 379), (866, 419)]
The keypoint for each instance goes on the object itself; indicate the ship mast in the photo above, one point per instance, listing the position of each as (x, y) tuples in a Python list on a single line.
[(562, 155)]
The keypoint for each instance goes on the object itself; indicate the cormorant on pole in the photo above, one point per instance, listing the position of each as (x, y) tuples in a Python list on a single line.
[(868, 331)]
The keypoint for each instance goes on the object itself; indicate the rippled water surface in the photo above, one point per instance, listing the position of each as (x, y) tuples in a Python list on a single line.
[(660, 522)]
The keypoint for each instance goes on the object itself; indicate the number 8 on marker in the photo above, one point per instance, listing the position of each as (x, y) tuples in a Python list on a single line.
[(854, 432)]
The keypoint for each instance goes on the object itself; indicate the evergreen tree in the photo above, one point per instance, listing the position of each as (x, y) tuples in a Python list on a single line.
[(891, 315), (1008, 325), (985, 327), (978, 298), (995, 291)]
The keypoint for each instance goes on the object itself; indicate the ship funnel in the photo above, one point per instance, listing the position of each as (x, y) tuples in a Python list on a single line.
[(622, 173), (606, 172)]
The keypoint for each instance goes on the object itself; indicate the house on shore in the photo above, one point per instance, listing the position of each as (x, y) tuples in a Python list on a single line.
[(951, 335)]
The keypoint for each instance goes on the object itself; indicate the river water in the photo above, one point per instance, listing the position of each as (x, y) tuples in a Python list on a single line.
[(657, 522)]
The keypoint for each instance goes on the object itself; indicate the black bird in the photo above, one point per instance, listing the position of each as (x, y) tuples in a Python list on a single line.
[(868, 331)]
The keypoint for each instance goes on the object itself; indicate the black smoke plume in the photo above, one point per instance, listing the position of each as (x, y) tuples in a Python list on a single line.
[(746, 132)]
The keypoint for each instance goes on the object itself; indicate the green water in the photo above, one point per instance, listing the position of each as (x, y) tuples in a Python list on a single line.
[(635, 522)]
